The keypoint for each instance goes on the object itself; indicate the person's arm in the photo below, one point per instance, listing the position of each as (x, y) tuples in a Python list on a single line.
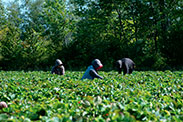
[(127, 68), (53, 70), (119, 66), (94, 74), (62, 70), (133, 65)]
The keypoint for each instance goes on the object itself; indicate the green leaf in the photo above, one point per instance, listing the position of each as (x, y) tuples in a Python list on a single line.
[(3, 117)]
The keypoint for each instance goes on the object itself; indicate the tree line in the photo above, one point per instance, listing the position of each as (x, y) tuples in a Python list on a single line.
[(35, 33)]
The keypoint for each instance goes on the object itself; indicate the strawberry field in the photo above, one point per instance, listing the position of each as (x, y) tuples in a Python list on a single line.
[(41, 96)]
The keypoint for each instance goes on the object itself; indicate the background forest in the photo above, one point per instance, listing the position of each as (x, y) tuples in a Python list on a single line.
[(33, 33)]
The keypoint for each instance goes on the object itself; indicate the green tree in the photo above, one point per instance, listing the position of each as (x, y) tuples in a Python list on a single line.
[(171, 38), (22, 44), (135, 29), (10, 36), (56, 22)]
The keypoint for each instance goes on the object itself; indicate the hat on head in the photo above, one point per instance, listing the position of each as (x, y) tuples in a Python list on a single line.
[(58, 62)]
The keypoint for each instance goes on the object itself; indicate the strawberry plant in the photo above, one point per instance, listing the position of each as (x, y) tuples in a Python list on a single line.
[(141, 96)]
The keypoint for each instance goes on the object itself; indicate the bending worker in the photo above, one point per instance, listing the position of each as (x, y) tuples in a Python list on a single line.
[(91, 71), (58, 68), (125, 64)]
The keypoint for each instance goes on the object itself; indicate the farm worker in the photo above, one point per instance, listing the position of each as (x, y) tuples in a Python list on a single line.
[(126, 64), (91, 71), (58, 68)]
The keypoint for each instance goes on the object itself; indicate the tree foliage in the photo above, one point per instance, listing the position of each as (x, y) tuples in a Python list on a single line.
[(77, 31), (35, 31)]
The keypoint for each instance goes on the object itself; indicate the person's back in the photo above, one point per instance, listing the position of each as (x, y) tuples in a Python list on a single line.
[(87, 73), (58, 68), (91, 71)]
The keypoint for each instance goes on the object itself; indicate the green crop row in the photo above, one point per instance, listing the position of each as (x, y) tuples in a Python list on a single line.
[(141, 96)]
